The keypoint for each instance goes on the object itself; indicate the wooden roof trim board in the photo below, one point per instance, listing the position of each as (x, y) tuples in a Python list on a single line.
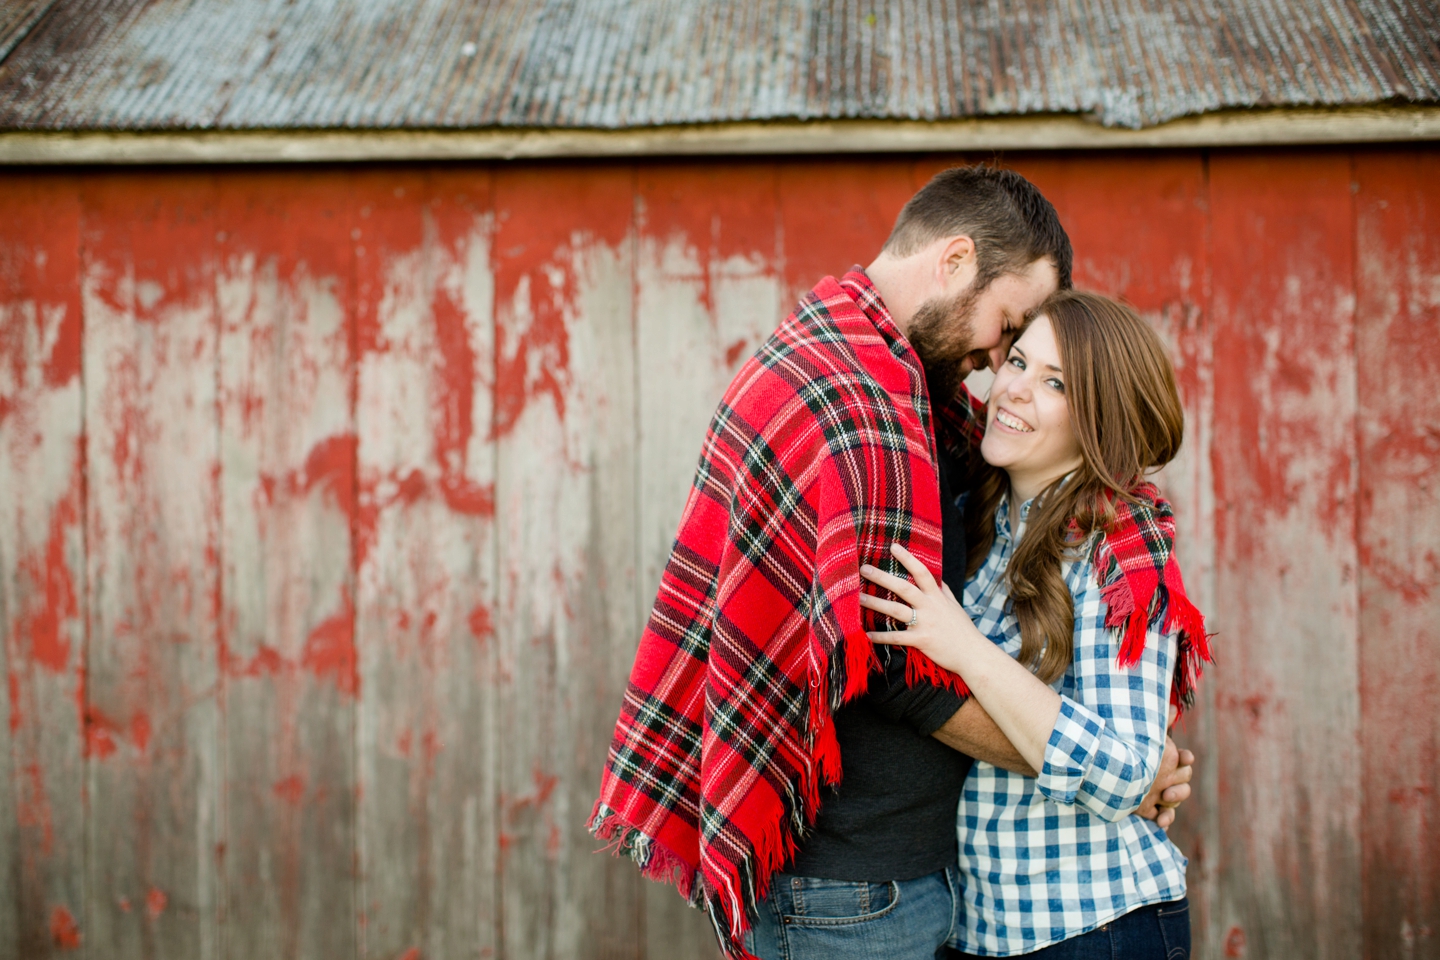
[(1054, 132)]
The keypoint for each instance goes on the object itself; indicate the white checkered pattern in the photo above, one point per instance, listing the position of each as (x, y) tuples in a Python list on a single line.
[(1043, 860)]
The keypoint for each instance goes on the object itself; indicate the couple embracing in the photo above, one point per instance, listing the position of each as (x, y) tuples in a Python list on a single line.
[(906, 687)]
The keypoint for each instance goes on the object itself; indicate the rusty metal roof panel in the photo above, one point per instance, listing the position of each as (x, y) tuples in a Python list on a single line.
[(614, 64)]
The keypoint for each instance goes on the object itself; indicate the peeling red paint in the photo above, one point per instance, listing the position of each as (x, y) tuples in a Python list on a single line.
[(330, 649), (155, 903), (545, 784), (1412, 797), (466, 497), (735, 351), (54, 585), (454, 388), (100, 733), (460, 494), (124, 904), (330, 466), (1235, 942), (33, 806), (412, 954), (63, 364), (140, 731), (482, 624), (104, 735), (291, 789), (267, 661), (547, 222), (64, 931), (825, 237), (13, 356)]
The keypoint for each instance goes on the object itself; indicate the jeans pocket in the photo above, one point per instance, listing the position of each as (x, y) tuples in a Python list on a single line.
[(832, 903), (1174, 918)]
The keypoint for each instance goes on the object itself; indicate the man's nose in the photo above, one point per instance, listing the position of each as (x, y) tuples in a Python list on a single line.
[(997, 354)]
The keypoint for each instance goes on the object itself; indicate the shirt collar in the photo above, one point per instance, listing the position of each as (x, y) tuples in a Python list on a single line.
[(1002, 515)]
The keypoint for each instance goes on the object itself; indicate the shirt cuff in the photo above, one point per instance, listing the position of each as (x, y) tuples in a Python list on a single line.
[(1069, 752)]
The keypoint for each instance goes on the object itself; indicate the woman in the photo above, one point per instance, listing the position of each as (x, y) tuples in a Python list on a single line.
[(1075, 635)]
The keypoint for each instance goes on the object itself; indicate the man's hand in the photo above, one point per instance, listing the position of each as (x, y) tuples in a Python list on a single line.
[(1171, 787)]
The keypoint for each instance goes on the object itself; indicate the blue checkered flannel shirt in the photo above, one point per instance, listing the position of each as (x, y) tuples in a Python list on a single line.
[(1048, 858)]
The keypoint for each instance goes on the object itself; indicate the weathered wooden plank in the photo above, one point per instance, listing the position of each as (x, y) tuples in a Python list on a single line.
[(1286, 686), (565, 486), (1139, 226), (152, 531), (42, 568), (287, 482), (1397, 330), (708, 292), (427, 721)]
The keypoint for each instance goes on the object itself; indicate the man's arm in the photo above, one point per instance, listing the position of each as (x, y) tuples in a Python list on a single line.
[(970, 730)]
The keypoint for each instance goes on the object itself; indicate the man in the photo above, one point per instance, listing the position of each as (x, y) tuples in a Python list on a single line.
[(760, 730)]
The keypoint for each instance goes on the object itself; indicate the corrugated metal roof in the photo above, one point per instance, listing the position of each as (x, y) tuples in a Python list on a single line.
[(614, 64)]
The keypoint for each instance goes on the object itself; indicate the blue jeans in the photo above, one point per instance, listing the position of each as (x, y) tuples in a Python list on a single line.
[(1160, 931), (809, 919)]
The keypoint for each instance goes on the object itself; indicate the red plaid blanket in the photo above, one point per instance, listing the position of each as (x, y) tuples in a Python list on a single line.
[(819, 457)]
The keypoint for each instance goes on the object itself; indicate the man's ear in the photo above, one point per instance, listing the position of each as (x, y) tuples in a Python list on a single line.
[(958, 261)]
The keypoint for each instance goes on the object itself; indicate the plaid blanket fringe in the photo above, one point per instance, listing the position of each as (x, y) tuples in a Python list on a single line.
[(1140, 576)]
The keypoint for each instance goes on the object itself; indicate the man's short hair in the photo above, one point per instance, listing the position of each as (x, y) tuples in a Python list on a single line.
[(1011, 222)]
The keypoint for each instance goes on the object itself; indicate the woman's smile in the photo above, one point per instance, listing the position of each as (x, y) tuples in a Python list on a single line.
[(1009, 421)]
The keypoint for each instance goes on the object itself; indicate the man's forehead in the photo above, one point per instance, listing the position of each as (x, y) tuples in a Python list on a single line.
[(1032, 286)]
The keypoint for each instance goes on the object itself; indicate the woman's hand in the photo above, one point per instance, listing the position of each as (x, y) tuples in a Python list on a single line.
[(935, 623)]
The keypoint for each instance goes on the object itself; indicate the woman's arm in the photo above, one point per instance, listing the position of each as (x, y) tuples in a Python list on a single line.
[(1022, 707), (1103, 753)]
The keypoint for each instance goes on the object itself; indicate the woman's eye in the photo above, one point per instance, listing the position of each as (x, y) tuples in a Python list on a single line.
[(1017, 363), (1057, 385)]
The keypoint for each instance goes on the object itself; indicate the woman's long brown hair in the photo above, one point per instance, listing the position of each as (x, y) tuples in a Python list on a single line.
[(1126, 413)]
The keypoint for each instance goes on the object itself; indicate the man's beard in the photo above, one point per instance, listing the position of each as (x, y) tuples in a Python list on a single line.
[(943, 335)]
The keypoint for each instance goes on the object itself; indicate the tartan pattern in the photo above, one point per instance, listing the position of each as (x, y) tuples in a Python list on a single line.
[(1136, 558), (1046, 859), (818, 458)]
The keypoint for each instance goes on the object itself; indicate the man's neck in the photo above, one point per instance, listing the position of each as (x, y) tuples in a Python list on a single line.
[(888, 275)]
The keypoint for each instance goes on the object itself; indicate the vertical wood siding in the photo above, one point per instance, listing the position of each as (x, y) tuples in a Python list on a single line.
[(332, 502)]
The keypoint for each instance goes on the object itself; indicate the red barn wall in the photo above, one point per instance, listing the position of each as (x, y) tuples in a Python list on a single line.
[(333, 499)]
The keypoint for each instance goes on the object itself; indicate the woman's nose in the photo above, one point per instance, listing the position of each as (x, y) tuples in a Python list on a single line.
[(1019, 387)]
